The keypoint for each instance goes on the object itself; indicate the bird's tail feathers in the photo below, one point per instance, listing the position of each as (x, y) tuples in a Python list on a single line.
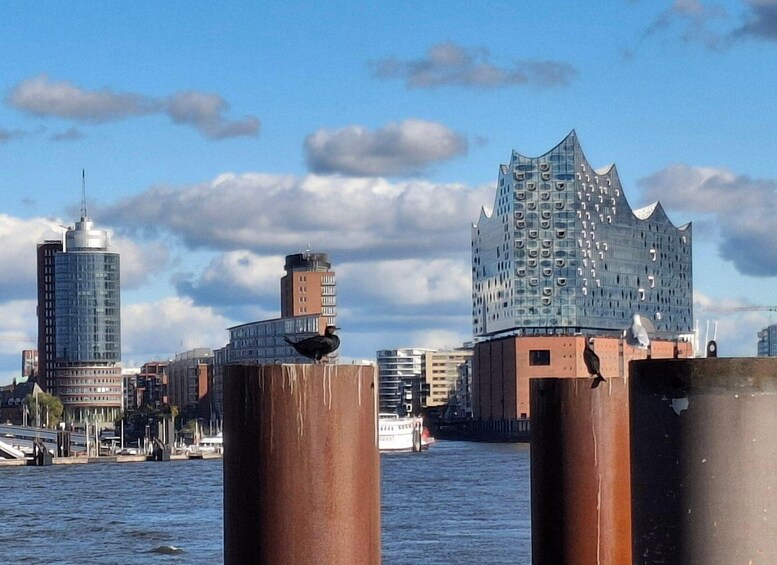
[(598, 379)]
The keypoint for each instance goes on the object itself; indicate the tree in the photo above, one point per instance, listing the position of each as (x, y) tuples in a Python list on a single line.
[(46, 408)]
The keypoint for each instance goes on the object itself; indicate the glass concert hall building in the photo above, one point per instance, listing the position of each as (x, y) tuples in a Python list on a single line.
[(563, 253)]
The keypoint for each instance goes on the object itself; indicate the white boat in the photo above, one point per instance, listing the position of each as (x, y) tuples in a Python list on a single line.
[(397, 434)]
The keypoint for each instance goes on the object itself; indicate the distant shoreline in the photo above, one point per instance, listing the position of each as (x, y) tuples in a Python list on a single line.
[(105, 459)]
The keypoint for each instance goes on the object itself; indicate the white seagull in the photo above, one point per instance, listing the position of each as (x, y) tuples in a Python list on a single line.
[(637, 334)]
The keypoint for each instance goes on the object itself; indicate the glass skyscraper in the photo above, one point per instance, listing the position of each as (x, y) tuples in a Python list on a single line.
[(562, 252), (84, 372)]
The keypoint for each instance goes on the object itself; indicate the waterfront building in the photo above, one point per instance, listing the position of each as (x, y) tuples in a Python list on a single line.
[(401, 383), (13, 404), (189, 376), (308, 287), (767, 341), (29, 364), (308, 305), (79, 323), (562, 252), (560, 258), (504, 366), (152, 381), (46, 318), (220, 360), (308, 301), (444, 373), (263, 343)]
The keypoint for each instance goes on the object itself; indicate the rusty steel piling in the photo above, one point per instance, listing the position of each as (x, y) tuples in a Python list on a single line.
[(704, 461), (580, 502), (301, 465)]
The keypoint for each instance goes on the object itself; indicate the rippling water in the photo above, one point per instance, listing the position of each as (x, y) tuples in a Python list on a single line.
[(457, 503)]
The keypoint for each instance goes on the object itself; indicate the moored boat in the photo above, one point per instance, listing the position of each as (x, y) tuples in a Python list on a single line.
[(400, 434)]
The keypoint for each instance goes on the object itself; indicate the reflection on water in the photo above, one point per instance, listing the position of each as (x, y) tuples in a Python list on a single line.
[(457, 503)]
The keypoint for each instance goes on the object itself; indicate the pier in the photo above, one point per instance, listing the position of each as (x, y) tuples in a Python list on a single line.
[(676, 462), (301, 465)]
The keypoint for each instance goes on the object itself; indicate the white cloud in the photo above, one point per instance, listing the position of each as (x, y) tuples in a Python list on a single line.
[(158, 330), (448, 64), (762, 22), (408, 282), (439, 338), (18, 327), (396, 149), (204, 111), (40, 96), (18, 254), (235, 278), (735, 331), (139, 261), (351, 218), (19, 239), (744, 210)]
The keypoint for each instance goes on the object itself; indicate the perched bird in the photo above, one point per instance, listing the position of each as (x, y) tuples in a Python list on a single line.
[(712, 348), (317, 346), (637, 334), (591, 360)]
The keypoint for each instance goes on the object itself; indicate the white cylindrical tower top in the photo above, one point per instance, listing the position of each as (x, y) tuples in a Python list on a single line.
[(84, 237)]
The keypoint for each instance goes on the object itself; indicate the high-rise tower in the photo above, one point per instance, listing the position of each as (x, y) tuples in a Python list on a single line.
[(46, 320), (562, 252), (83, 367), (308, 287)]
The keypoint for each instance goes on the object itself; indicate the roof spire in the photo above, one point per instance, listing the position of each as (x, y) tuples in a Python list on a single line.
[(83, 194)]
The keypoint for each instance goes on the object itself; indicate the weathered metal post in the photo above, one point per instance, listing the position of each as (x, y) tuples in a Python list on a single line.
[(580, 504), (301, 465), (704, 461)]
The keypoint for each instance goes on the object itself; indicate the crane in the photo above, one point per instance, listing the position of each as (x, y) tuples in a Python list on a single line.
[(16, 338), (744, 309)]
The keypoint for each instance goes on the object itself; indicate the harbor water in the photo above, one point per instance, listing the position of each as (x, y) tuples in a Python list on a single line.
[(459, 502)]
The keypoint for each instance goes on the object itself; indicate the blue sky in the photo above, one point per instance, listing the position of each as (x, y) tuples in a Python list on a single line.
[(218, 137)]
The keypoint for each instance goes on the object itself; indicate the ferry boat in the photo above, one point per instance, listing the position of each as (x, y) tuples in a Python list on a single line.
[(397, 434)]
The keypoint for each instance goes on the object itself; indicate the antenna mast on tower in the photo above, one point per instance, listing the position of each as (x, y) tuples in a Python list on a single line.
[(83, 194)]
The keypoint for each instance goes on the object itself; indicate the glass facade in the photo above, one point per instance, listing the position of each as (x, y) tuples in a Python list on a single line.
[(85, 371), (263, 342), (562, 252), (87, 306), (767, 341), (400, 373)]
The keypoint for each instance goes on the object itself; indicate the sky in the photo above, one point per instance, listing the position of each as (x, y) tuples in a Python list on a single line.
[(219, 137)]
